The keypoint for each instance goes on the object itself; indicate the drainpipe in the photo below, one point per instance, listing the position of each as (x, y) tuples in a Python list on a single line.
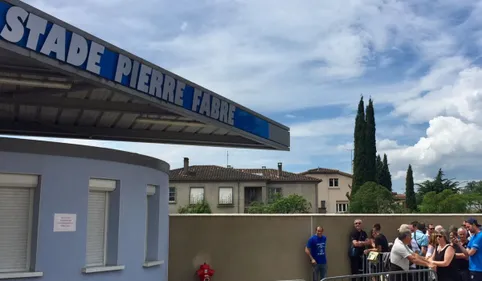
[(239, 197)]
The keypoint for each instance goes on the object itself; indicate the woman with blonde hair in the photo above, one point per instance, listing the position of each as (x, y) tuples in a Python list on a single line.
[(443, 258), (432, 245)]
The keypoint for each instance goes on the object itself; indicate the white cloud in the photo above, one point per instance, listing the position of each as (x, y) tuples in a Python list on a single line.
[(448, 138), (323, 127)]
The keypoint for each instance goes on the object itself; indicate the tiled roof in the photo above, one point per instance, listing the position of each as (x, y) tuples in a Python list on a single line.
[(211, 173), (399, 196), (218, 173), (324, 171), (272, 175)]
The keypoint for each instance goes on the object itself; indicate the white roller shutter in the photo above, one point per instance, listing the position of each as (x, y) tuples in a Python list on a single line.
[(96, 228), (16, 204)]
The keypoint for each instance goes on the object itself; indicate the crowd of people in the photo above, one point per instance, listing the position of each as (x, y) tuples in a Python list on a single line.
[(452, 253)]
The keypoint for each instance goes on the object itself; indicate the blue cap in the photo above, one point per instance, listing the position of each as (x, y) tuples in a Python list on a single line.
[(473, 221)]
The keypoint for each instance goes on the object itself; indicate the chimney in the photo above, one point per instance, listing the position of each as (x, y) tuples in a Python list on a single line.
[(186, 165), (280, 169)]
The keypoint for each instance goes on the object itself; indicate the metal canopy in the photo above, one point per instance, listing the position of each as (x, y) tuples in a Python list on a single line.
[(51, 87)]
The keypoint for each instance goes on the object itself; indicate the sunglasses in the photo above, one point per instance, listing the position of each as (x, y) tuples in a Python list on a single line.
[(432, 228), (357, 223), (438, 236)]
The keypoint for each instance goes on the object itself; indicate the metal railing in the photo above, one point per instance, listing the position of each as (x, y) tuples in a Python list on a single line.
[(411, 275)]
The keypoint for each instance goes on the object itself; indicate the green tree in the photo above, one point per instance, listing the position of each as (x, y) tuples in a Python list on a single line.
[(372, 198), (437, 185), (359, 153), (386, 176), (472, 192), (410, 198), (379, 168), (370, 144), (444, 202), (291, 204), (199, 208)]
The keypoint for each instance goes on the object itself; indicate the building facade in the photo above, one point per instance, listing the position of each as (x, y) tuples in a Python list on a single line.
[(70, 212), (333, 188), (229, 190)]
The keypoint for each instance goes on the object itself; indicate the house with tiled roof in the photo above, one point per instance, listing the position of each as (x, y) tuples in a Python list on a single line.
[(332, 189), (232, 190)]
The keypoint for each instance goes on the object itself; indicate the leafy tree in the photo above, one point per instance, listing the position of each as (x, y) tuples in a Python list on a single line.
[(370, 144), (410, 198), (372, 198), (199, 208), (472, 192), (379, 168), (386, 176), (359, 154), (444, 202), (290, 204), (437, 185)]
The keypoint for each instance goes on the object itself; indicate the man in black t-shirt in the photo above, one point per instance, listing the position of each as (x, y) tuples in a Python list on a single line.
[(381, 242), (358, 242), (381, 246)]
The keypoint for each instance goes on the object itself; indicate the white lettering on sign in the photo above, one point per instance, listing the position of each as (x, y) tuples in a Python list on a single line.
[(56, 42), (65, 222), (17, 20)]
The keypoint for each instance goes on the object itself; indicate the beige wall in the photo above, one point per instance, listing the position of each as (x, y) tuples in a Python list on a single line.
[(307, 190), (269, 248), (332, 195), (211, 193)]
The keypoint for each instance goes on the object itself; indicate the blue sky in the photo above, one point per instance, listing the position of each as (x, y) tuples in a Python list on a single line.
[(306, 63)]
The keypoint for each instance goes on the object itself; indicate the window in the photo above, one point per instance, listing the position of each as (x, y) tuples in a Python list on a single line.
[(334, 182), (273, 191), (341, 207), (97, 221), (225, 196), (152, 226), (172, 195), (16, 221), (196, 195)]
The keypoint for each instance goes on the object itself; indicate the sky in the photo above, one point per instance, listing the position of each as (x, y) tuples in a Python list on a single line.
[(306, 64)]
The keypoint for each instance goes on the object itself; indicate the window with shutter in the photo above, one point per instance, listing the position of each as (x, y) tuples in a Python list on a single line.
[(96, 226), (16, 213), (152, 216), (97, 218), (196, 195)]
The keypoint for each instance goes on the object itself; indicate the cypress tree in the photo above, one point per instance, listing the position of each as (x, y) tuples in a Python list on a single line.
[(370, 144), (410, 198), (379, 169), (359, 149), (386, 177)]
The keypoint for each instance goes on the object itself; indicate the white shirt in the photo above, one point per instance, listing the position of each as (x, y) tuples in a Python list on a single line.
[(415, 249), (430, 251), (399, 254)]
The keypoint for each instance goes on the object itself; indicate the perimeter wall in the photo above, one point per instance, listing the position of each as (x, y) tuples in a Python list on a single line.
[(270, 248)]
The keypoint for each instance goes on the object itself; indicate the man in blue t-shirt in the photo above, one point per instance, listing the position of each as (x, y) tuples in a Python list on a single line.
[(316, 250), (473, 250)]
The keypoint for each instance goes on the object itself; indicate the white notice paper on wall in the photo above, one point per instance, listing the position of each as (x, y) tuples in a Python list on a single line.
[(65, 222)]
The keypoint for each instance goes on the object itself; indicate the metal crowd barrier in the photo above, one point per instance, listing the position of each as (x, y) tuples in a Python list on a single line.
[(411, 275)]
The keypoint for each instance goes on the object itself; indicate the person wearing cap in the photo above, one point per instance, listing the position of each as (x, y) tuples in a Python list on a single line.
[(401, 255), (473, 250)]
